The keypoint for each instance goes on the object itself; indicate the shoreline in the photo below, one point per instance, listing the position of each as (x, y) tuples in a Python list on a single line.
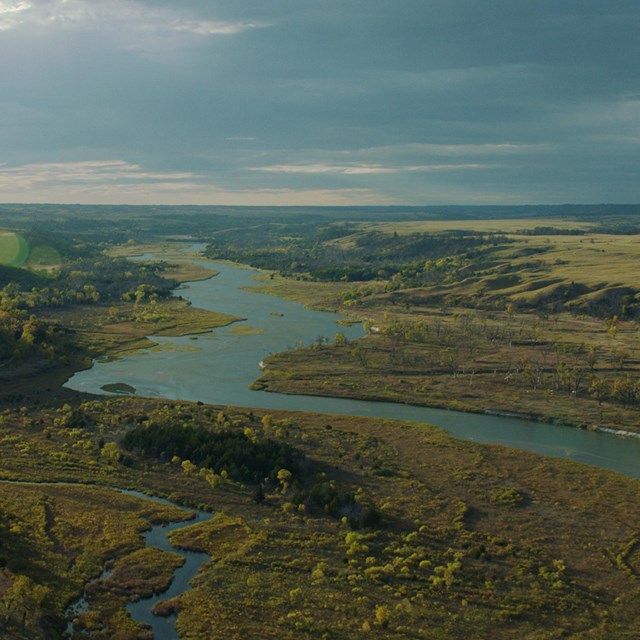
[(63, 374), (530, 417)]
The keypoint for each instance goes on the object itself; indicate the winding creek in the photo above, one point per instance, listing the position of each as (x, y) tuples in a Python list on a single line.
[(163, 627)]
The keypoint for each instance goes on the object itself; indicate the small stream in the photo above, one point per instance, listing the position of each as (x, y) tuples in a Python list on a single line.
[(164, 628)]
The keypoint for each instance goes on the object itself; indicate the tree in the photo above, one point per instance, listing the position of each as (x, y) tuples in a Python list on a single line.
[(111, 452), (625, 390), (284, 476), (188, 467), (382, 615), (599, 389), (22, 600), (340, 338)]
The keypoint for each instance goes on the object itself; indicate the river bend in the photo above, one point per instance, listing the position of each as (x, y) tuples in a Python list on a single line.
[(218, 367)]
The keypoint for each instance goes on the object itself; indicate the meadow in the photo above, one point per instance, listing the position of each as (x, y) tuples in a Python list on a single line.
[(468, 538)]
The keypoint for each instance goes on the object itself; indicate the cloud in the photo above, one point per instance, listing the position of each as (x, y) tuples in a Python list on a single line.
[(31, 176), (118, 181), (362, 169), (10, 14), (125, 15), (488, 149)]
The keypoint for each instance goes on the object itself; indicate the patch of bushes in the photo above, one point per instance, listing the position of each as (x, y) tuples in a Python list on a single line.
[(228, 450)]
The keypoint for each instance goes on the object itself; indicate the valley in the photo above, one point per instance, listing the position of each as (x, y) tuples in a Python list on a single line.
[(327, 525)]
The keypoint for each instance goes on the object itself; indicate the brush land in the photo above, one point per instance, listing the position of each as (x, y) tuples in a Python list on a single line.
[(377, 527), (325, 526)]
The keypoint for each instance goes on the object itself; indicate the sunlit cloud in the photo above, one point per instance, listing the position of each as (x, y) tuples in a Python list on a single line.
[(117, 182), (30, 176), (10, 14), (113, 14), (362, 169), (488, 149)]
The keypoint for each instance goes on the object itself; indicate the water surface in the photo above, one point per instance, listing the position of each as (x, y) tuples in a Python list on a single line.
[(225, 363)]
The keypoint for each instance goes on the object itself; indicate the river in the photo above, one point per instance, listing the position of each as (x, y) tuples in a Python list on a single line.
[(218, 368)]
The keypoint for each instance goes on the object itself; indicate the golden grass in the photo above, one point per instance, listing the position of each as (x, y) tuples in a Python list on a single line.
[(593, 260), (245, 330), (326, 296), (131, 249), (483, 226), (478, 541), (189, 272)]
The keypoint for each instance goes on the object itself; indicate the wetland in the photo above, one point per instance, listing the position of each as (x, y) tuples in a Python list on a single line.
[(340, 510)]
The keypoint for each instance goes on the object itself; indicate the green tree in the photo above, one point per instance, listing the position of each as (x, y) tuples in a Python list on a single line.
[(599, 389), (625, 390), (284, 476)]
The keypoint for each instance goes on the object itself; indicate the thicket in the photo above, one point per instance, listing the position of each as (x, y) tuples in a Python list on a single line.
[(26, 298), (23, 335), (230, 451), (243, 451), (83, 281)]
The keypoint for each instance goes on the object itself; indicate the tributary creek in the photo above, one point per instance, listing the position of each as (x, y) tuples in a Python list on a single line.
[(218, 368), (163, 627)]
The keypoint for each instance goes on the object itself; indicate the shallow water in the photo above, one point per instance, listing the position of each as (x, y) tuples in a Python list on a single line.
[(164, 628)]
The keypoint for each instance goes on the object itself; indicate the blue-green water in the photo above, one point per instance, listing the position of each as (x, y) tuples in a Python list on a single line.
[(218, 368)]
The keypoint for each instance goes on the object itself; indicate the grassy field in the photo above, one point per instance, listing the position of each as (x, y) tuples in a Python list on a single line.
[(472, 541), (513, 225), (531, 331)]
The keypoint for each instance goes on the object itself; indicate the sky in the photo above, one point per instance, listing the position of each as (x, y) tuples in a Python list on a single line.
[(323, 102)]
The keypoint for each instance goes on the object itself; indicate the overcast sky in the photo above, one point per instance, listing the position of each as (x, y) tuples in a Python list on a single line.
[(320, 102)]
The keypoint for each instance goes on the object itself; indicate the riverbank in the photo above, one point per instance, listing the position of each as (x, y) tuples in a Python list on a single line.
[(442, 368), (115, 330), (272, 381)]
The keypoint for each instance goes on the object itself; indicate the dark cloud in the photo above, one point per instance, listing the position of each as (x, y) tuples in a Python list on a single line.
[(510, 101)]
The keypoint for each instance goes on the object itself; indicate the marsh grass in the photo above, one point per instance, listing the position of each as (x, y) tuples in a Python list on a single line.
[(473, 541)]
